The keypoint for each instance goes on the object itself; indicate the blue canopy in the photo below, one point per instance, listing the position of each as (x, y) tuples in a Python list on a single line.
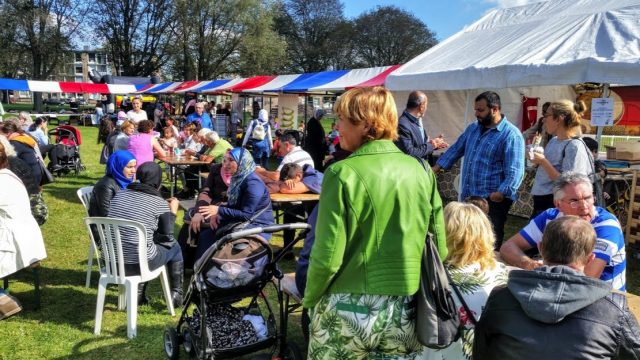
[(311, 80)]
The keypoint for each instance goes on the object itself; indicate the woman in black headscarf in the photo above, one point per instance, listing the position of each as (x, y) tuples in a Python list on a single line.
[(141, 201), (316, 142)]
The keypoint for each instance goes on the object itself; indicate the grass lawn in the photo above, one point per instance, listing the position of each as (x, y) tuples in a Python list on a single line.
[(63, 327)]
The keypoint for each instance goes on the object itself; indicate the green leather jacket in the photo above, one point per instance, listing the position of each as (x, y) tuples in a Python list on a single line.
[(376, 207)]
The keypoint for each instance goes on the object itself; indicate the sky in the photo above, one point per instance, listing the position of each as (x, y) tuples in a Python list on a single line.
[(444, 17)]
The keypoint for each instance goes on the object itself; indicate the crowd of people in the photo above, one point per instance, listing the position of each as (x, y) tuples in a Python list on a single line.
[(548, 291)]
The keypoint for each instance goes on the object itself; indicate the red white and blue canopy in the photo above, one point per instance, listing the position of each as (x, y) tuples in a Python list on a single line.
[(319, 82)]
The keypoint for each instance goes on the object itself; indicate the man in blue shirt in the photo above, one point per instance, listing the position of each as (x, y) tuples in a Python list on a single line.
[(573, 195), (493, 166), (200, 116), (412, 138)]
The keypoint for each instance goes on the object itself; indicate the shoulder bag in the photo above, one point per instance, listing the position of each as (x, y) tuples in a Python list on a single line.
[(437, 319)]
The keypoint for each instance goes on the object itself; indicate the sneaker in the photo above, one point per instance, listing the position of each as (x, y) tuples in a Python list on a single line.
[(8, 306)]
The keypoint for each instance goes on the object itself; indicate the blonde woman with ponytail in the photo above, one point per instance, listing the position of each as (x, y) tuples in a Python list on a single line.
[(564, 152)]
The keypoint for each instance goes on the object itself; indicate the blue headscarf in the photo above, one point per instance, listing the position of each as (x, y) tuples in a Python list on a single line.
[(116, 164), (246, 166)]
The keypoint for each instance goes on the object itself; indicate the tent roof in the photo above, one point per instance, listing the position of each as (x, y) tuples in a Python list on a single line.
[(555, 42), (355, 78), (275, 85), (311, 80)]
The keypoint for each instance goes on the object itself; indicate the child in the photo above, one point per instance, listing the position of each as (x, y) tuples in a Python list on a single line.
[(298, 180), (168, 141)]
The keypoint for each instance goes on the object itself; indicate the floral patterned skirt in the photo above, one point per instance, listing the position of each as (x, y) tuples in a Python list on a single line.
[(356, 326)]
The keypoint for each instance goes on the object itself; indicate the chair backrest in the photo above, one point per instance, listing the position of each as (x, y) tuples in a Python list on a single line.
[(110, 242), (84, 194)]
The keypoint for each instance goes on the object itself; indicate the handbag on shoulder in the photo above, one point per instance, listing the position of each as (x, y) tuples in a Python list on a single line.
[(437, 320)]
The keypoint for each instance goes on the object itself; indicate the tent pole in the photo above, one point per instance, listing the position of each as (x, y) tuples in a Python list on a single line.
[(467, 102), (605, 93)]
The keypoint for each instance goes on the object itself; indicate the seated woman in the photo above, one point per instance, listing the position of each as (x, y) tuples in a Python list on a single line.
[(473, 268), (121, 142), (248, 200), (120, 172), (213, 192), (20, 237), (143, 145), (24, 145), (141, 202)]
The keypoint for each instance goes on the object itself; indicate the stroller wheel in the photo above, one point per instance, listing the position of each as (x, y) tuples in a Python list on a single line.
[(291, 351), (171, 343)]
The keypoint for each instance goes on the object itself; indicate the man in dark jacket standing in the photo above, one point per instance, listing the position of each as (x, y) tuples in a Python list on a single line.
[(555, 311), (412, 139)]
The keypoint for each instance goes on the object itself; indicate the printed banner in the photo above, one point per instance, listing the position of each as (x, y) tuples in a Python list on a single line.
[(288, 111)]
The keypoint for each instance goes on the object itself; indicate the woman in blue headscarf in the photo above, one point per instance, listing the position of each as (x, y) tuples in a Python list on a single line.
[(248, 200), (120, 172)]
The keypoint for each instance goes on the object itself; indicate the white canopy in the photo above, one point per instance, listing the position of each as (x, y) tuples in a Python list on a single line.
[(557, 42)]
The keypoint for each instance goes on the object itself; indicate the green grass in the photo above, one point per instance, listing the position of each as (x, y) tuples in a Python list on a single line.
[(63, 327)]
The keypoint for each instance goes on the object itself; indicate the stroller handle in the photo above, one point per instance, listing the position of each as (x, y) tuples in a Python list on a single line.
[(267, 229)]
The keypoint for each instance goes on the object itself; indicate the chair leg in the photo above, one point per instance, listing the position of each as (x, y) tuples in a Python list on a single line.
[(36, 284), (132, 308), (122, 299), (102, 291), (167, 290), (89, 263)]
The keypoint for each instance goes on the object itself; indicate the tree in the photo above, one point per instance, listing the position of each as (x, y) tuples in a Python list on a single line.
[(389, 35), (309, 27), (40, 32), (262, 50), (136, 33), (214, 38)]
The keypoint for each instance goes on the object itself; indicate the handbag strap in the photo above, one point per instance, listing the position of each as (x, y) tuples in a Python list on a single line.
[(471, 317)]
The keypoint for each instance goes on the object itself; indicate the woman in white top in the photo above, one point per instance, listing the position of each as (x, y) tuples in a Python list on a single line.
[(473, 268), (21, 241), (137, 114)]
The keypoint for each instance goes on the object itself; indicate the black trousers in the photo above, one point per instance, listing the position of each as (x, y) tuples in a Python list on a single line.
[(541, 203), (498, 212)]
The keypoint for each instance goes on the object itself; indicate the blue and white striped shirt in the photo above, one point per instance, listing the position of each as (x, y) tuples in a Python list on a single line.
[(609, 244), (493, 160)]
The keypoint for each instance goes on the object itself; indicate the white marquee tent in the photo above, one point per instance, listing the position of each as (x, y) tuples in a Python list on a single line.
[(536, 50)]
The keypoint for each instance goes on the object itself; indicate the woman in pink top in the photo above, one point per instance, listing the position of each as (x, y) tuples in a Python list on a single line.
[(143, 144)]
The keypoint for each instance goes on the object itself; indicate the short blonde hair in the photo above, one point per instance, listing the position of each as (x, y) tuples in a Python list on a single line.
[(470, 236), (127, 124), (373, 106)]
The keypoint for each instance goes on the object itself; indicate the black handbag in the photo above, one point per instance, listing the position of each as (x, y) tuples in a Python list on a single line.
[(437, 320), (47, 176)]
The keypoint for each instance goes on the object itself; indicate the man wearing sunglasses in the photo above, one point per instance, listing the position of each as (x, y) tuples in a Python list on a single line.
[(573, 195)]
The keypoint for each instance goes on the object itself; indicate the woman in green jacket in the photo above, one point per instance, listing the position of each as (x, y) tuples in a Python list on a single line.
[(376, 208)]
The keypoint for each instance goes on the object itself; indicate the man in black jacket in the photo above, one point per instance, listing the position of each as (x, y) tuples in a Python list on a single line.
[(555, 311), (412, 139)]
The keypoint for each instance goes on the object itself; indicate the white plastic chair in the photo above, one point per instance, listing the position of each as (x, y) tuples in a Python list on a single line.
[(112, 268), (84, 194)]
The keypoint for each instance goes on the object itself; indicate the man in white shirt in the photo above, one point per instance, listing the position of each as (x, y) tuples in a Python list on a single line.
[(137, 114), (291, 152)]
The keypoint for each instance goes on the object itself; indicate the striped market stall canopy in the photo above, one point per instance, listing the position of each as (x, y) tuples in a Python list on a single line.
[(325, 81)]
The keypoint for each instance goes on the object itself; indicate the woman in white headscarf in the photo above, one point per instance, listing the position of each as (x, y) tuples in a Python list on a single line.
[(259, 136)]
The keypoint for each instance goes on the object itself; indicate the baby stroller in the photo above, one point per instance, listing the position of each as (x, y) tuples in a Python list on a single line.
[(226, 310), (66, 140)]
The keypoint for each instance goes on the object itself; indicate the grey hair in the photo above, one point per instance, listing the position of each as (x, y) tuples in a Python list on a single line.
[(24, 115), (8, 148), (569, 178), (203, 132), (213, 137)]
